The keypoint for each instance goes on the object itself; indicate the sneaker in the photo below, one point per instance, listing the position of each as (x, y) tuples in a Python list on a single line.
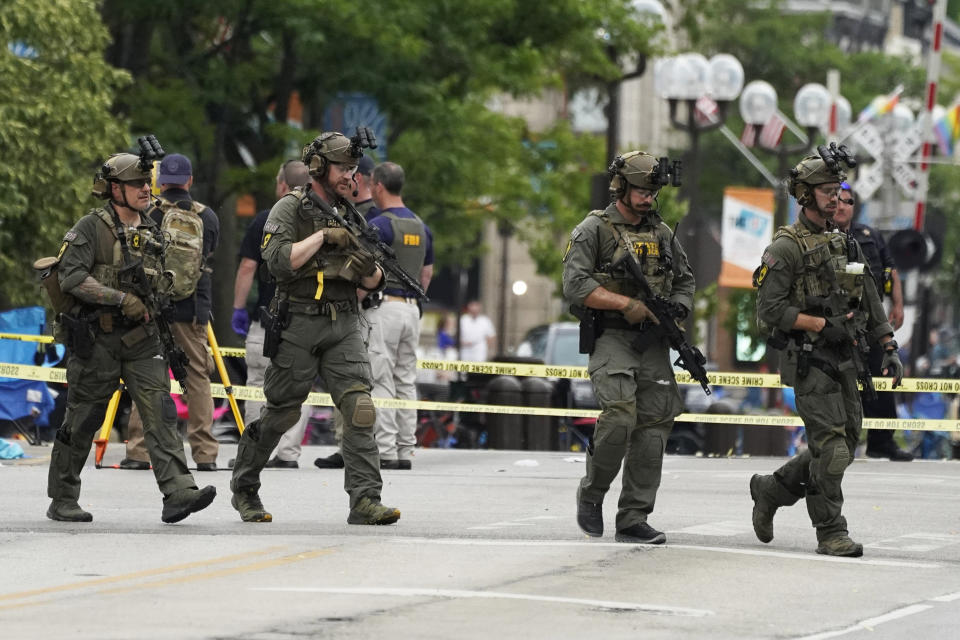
[(334, 461), (134, 465), (277, 463), (67, 511), (840, 546), (250, 508), (641, 533), (206, 466), (181, 503), (590, 518), (369, 512)]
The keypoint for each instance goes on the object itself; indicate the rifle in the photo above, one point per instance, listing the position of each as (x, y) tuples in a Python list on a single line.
[(690, 357), (369, 240), (159, 310), (834, 305)]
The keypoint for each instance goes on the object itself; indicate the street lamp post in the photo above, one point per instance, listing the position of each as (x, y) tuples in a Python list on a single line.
[(811, 108), (706, 88)]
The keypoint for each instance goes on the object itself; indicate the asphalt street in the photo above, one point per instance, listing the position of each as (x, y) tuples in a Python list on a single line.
[(487, 547)]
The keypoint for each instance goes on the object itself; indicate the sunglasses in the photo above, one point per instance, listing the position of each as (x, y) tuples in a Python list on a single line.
[(139, 183), (847, 201)]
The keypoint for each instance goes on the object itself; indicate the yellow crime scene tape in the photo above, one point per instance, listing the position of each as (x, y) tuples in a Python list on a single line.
[(50, 374)]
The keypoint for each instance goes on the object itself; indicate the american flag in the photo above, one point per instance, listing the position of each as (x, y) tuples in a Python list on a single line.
[(772, 132), (706, 111), (749, 135)]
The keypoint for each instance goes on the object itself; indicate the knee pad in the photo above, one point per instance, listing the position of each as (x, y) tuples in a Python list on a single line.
[(358, 410), (836, 459)]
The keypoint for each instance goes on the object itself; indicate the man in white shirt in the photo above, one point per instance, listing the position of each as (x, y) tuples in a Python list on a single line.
[(476, 334)]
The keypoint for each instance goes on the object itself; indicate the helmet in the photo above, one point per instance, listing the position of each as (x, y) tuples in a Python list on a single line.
[(636, 168), (811, 171), (330, 146), (119, 167)]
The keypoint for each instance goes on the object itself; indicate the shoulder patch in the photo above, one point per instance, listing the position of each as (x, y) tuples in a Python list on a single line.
[(271, 227), (768, 259), (70, 236)]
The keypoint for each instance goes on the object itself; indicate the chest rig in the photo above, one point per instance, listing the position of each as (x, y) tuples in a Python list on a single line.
[(328, 261), (830, 266), (652, 248), (143, 243)]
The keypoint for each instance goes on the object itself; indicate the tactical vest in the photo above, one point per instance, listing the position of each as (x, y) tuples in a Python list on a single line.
[(141, 243), (820, 252), (410, 245), (329, 260), (652, 250)]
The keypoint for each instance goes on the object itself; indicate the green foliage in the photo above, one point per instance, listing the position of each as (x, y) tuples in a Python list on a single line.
[(56, 129)]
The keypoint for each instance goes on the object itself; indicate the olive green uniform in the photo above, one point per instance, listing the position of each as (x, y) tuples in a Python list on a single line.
[(827, 397), (637, 392), (323, 338), (121, 348)]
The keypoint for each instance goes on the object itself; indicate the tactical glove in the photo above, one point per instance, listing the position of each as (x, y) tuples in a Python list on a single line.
[(339, 237), (891, 366), (133, 307), (834, 332), (359, 265), (636, 312), (240, 322)]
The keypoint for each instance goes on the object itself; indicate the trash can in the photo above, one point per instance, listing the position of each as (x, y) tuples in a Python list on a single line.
[(720, 439), (505, 430), (539, 430)]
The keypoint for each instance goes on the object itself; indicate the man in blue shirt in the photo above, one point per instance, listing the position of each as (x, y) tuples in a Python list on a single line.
[(395, 323)]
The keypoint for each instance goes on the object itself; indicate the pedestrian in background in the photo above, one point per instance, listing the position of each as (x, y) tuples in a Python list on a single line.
[(189, 327), (395, 322), (476, 334)]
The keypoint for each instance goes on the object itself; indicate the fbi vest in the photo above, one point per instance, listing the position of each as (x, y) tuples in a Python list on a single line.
[(410, 245)]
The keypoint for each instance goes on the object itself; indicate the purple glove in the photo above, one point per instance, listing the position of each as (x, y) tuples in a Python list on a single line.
[(240, 322)]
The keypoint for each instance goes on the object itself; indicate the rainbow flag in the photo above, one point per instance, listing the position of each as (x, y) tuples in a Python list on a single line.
[(880, 105), (947, 130)]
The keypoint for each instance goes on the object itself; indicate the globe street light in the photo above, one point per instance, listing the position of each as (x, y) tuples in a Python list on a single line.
[(706, 87), (811, 108)]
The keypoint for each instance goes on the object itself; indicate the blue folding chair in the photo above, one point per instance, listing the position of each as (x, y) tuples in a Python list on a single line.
[(26, 404)]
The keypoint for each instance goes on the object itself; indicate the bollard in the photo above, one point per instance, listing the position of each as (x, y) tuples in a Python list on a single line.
[(539, 430), (505, 431)]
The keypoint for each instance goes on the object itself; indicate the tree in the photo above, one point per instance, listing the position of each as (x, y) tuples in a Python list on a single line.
[(57, 128)]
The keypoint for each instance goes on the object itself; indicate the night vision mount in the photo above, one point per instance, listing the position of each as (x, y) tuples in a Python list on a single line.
[(666, 172), (362, 139), (150, 150), (833, 155)]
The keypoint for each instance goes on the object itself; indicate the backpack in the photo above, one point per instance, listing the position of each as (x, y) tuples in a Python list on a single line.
[(182, 227)]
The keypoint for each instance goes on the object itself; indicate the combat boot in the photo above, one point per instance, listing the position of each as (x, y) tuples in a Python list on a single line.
[(640, 533), (369, 512), (840, 545), (248, 504), (68, 511), (182, 502), (590, 518), (768, 495)]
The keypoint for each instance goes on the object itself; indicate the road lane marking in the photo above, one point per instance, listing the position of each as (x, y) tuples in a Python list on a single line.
[(950, 597), (610, 605), (725, 528), (811, 557), (870, 623), (210, 575), (915, 542), (138, 574)]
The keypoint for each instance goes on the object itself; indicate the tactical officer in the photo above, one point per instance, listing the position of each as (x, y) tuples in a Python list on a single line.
[(112, 336), (821, 306), (318, 268), (880, 442), (636, 391)]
